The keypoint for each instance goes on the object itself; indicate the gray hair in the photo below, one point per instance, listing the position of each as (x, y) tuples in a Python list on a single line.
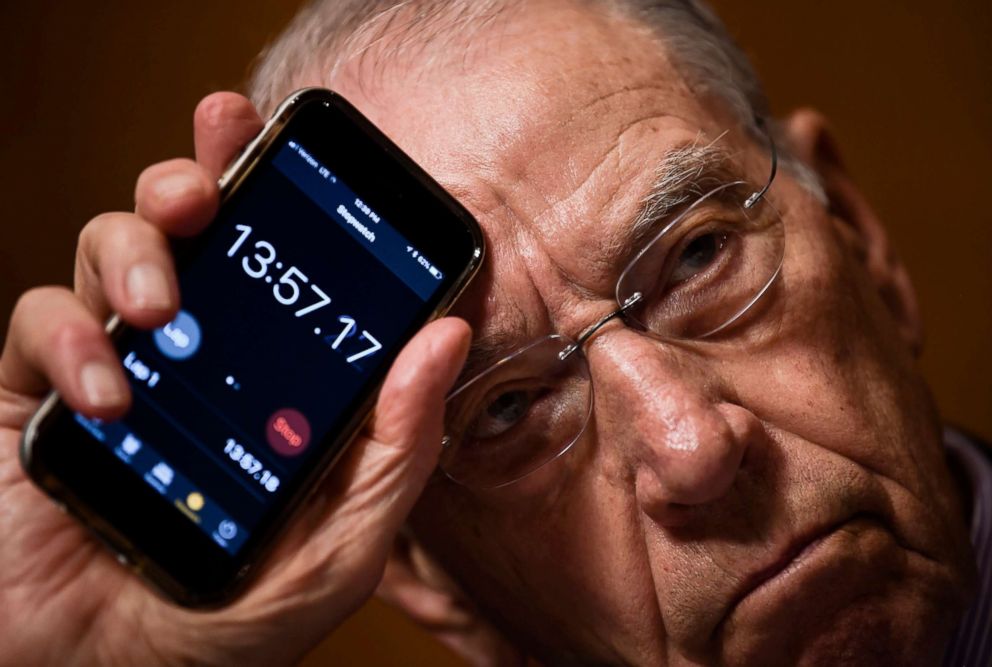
[(327, 32)]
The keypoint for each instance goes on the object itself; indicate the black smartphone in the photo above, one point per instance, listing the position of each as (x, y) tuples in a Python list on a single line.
[(331, 249)]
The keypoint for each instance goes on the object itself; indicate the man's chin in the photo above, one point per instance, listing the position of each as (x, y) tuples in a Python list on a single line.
[(866, 634), (855, 597)]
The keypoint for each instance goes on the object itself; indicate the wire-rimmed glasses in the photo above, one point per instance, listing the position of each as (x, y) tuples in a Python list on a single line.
[(696, 277)]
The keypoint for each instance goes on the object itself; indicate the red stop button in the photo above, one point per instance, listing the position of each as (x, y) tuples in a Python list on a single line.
[(288, 432)]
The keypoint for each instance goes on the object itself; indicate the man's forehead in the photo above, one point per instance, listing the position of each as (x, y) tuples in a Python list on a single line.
[(548, 128), (549, 75)]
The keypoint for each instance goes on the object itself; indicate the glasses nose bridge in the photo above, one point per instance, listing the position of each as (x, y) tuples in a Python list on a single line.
[(591, 331)]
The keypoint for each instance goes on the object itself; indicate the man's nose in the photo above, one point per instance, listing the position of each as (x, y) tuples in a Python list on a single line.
[(683, 444)]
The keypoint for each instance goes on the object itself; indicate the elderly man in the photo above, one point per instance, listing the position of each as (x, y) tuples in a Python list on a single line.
[(761, 477)]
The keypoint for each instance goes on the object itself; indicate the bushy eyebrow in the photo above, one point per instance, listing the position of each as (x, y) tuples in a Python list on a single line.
[(684, 174), (486, 351)]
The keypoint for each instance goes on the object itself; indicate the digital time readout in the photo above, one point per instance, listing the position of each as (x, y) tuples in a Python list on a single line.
[(288, 291), (252, 466)]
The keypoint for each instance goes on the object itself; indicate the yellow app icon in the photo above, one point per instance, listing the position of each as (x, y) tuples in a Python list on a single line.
[(194, 501)]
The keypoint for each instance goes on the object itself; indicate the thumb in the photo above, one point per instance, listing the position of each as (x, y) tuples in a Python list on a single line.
[(387, 469)]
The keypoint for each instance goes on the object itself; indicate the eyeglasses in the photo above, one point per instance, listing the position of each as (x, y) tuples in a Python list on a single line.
[(694, 279)]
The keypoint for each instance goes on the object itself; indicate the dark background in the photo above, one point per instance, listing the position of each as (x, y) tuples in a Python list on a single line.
[(90, 93)]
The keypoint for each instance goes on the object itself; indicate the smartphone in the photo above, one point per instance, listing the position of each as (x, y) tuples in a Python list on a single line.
[(330, 250)]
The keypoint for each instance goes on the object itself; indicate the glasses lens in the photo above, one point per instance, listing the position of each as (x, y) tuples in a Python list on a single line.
[(706, 268), (518, 415)]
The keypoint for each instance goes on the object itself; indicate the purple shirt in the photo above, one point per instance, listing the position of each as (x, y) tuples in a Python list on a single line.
[(971, 645)]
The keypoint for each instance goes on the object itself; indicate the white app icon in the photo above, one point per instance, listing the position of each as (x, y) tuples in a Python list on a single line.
[(163, 473), (227, 529), (130, 445)]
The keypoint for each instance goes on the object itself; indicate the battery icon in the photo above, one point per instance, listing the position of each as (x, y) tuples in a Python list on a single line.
[(434, 272)]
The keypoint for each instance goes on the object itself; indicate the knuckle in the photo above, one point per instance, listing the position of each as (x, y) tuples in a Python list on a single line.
[(31, 310), (152, 174), (90, 230), (108, 235), (167, 188), (102, 227), (73, 333), (30, 301)]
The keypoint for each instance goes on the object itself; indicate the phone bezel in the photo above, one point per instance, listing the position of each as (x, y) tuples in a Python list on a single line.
[(204, 575)]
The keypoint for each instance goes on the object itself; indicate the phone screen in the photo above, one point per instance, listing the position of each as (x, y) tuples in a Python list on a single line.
[(299, 295)]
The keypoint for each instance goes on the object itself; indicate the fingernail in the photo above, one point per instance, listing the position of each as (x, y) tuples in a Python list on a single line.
[(148, 288), (101, 385), (175, 185)]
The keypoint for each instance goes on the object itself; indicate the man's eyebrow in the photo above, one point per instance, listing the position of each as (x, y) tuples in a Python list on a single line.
[(486, 351), (685, 173)]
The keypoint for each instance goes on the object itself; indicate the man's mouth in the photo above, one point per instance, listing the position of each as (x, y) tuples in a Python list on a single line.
[(790, 559), (808, 569)]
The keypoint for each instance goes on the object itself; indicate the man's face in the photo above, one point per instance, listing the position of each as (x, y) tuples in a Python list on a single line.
[(776, 494)]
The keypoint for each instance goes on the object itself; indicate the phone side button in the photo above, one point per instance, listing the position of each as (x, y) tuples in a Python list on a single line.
[(232, 168)]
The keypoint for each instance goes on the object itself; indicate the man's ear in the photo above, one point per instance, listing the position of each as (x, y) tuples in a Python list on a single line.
[(416, 584), (811, 140)]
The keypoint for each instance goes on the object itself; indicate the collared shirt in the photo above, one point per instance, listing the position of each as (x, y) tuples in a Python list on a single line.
[(971, 645)]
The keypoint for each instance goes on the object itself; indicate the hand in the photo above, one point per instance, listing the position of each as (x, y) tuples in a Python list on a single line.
[(63, 598)]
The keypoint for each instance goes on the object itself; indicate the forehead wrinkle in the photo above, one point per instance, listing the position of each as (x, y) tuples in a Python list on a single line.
[(583, 204), (607, 96)]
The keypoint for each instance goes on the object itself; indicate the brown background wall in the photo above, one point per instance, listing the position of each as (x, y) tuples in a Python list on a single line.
[(92, 92)]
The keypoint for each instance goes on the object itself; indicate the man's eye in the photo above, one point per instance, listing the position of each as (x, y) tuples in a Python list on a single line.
[(502, 414), (701, 252)]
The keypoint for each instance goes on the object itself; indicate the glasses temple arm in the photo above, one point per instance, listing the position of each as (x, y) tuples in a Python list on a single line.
[(756, 197)]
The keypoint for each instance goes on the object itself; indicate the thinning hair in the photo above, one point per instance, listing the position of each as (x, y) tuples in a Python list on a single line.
[(327, 33)]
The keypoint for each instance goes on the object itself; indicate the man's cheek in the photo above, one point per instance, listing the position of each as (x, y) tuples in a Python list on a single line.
[(825, 376)]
